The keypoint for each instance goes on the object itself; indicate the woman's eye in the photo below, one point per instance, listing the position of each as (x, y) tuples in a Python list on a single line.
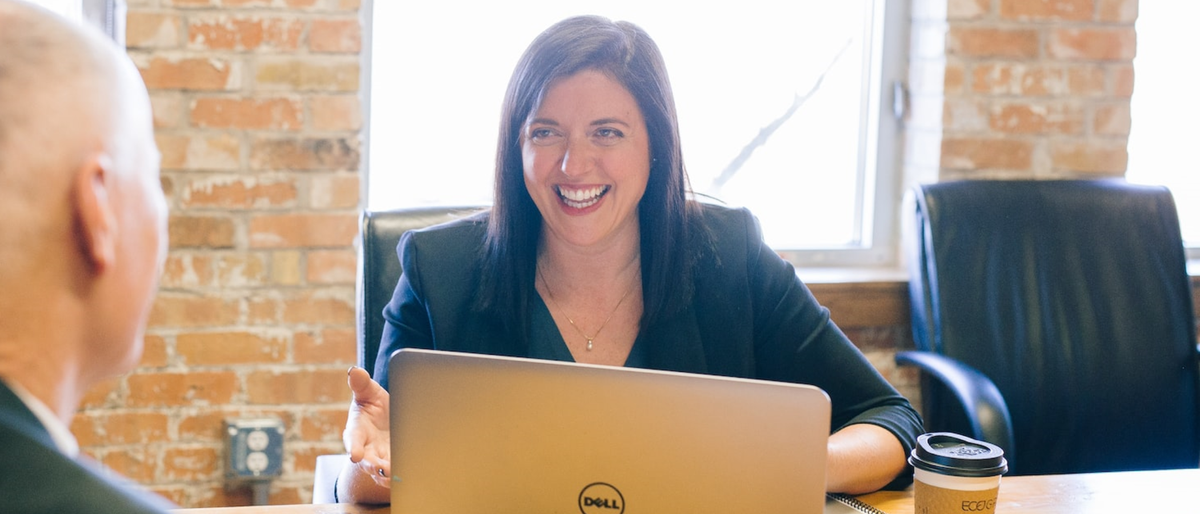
[(608, 135), (543, 136)]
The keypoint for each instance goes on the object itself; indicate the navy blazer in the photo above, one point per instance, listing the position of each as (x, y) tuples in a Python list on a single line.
[(750, 317), (36, 478)]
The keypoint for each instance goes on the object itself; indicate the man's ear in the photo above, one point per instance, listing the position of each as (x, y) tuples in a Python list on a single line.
[(94, 215)]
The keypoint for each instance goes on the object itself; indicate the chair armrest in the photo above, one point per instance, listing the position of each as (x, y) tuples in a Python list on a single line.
[(325, 475), (983, 403)]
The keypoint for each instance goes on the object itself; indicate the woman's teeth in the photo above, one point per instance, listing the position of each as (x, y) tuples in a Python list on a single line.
[(581, 198)]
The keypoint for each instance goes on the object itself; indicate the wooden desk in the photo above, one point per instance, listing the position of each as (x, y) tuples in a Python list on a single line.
[(1132, 492)]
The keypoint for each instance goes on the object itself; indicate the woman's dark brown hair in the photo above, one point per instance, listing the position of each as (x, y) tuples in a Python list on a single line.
[(626, 53)]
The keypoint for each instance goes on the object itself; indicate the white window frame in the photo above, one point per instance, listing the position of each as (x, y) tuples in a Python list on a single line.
[(880, 171)]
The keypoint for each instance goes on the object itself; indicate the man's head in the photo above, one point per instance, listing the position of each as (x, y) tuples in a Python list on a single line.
[(82, 214)]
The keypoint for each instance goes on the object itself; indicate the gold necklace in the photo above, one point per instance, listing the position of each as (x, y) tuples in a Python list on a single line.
[(550, 295)]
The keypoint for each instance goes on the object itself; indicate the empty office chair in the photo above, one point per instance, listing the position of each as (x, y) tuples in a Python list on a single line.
[(1054, 318), (378, 272)]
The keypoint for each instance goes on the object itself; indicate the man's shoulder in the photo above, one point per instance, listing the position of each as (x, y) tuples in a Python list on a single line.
[(39, 479)]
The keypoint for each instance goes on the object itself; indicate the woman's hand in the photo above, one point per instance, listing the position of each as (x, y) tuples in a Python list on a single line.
[(368, 477)]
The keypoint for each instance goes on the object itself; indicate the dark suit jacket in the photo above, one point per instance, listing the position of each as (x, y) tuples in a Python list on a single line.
[(36, 478), (750, 317)]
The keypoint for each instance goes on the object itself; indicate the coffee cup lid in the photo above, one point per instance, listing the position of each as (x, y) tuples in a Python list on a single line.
[(956, 455)]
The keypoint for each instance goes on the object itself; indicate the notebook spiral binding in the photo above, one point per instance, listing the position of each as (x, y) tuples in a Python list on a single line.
[(855, 503)]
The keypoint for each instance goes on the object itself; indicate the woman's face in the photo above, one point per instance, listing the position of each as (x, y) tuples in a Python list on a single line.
[(586, 155)]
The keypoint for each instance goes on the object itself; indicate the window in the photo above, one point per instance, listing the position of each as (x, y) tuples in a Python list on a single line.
[(784, 107), (1165, 109)]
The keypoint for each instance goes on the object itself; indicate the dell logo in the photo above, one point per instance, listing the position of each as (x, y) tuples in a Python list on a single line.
[(601, 498)]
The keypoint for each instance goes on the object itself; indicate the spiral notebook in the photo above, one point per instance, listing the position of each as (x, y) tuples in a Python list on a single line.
[(475, 433)]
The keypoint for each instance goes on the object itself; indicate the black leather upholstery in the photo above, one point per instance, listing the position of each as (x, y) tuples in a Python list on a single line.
[(1073, 298), (379, 266)]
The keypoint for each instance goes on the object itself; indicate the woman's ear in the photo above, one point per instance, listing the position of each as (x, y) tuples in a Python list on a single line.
[(94, 214)]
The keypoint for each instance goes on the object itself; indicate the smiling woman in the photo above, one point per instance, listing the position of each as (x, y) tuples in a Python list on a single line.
[(779, 103)]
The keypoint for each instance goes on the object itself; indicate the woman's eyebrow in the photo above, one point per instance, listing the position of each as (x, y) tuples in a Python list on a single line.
[(608, 121), (543, 121)]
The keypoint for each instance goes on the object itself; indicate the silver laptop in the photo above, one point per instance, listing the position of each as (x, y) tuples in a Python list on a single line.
[(484, 434)]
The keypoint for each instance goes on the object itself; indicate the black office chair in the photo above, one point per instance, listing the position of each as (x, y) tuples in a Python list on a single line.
[(1054, 319), (378, 272), (379, 267)]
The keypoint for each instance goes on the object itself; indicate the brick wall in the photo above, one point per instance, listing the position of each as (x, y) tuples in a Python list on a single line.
[(1020, 88), (257, 113)]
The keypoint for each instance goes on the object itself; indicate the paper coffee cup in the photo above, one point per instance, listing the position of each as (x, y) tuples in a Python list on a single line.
[(954, 474)]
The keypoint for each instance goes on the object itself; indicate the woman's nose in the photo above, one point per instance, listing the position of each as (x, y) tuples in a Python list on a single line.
[(577, 159)]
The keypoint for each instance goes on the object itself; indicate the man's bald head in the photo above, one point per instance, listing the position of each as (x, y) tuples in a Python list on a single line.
[(82, 214), (64, 94)]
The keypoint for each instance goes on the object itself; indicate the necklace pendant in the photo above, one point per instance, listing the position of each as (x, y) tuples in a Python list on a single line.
[(589, 346)]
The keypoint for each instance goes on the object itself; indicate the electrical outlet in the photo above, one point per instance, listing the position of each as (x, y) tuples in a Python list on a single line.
[(254, 448)]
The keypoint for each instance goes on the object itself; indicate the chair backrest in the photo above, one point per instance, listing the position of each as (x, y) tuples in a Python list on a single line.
[(379, 267), (1074, 298)]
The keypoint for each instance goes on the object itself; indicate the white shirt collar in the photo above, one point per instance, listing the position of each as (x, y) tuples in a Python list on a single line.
[(59, 433)]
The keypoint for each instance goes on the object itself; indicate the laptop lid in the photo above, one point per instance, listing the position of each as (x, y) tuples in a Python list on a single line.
[(474, 433)]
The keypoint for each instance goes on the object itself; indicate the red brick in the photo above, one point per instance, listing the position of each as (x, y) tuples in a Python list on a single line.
[(199, 152), (349, 5), (337, 191), (304, 458), (241, 270), (103, 394), (297, 387), (154, 352), (152, 29), (972, 153), (1022, 118), (187, 270), (168, 110), (964, 115), (323, 423), (1114, 44), (263, 311), (190, 73), (181, 389), (1103, 157), (192, 311), (1112, 120), (285, 268), (113, 428), (335, 36), (238, 192), (1019, 79), (992, 42), (967, 9), (335, 112), (313, 73), (1117, 11), (307, 154), (329, 346), (137, 463), (191, 464), (303, 230), (319, 308), (224, 32), (953, 79), (1122, 81), (1047, 10), (332, 267), (1085, 81), (247, 113), (201, 231), (223, 348)]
